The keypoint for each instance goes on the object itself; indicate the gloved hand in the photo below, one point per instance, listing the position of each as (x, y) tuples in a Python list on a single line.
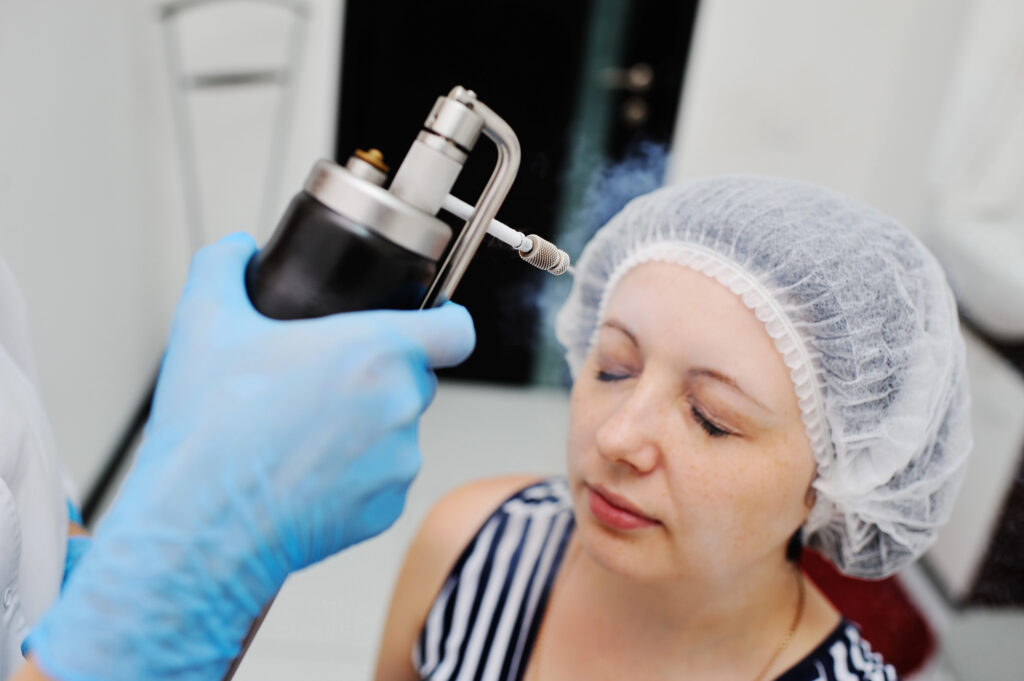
[(271, 445)]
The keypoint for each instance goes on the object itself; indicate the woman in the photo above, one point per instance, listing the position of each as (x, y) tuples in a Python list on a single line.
[(757, 363)]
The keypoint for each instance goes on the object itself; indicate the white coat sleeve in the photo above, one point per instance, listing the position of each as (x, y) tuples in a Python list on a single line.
[(33, 510)]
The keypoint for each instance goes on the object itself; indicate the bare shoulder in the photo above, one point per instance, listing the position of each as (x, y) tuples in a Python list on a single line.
[(460, 513), (442, 536)]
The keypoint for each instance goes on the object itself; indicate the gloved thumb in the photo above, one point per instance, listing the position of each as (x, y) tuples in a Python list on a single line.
[(446, 333), (218, 270)]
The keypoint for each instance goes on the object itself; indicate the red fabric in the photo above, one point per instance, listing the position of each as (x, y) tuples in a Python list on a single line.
[(889, 620)]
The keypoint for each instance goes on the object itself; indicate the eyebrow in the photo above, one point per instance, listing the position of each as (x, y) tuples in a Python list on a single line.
[(616, 325), (728, 380), (697, 372)]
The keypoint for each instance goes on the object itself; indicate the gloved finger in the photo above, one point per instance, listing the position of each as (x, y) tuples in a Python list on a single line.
[(218, 270), (445, 333)]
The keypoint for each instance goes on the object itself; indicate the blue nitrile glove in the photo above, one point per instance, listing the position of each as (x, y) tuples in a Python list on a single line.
[(271, 445), (77, 545)]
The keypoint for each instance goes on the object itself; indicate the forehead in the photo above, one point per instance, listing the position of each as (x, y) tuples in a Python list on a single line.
[(691, 320)]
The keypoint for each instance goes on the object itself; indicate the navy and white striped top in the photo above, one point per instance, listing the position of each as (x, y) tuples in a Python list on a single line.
[(484, 622)]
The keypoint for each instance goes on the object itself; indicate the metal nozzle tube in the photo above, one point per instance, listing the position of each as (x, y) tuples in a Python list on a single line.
[(499, 230), (539, 252)]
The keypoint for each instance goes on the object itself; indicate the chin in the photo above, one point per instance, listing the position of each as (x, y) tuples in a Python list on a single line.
[(642, 556)]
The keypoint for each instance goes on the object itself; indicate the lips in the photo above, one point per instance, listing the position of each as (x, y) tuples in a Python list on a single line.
[(616, 512)]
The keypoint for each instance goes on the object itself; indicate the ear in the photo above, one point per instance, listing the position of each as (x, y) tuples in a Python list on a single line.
[(810, 497)]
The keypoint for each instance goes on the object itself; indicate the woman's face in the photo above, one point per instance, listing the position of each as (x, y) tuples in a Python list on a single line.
[(687, 454)]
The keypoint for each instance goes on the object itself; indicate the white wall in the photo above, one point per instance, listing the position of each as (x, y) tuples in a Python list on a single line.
[(76, 210), (844, 94), (90, 197)]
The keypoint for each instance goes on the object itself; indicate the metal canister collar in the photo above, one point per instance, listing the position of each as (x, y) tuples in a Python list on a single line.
[(377, 209)]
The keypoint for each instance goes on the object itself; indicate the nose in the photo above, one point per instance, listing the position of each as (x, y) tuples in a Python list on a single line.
[(631, 434)]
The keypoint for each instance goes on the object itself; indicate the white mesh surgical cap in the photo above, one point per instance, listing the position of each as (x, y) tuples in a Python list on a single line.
[(862, 316)]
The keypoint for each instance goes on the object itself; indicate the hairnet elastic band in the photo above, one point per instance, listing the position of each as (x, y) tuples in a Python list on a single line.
[(763, 304)]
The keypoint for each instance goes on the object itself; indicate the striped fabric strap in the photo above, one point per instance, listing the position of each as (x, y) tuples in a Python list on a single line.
[(483, 623)]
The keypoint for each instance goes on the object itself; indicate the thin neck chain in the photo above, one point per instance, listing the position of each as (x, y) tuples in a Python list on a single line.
[(792, 628)]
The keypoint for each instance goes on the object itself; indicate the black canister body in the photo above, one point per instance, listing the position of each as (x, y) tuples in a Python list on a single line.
[(319, 262)]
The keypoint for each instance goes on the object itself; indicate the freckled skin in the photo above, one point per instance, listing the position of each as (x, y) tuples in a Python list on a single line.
[(727, 505)]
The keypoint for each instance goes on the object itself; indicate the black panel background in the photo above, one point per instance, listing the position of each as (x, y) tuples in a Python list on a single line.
[(523, 59)]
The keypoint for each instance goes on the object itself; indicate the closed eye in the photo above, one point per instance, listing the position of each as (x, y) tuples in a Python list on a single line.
[(709, 427), (607, 376)]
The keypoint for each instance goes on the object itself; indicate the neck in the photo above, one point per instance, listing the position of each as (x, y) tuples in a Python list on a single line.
[(702, 619)]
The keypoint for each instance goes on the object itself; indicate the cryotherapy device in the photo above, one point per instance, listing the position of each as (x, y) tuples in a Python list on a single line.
[(347, 242)]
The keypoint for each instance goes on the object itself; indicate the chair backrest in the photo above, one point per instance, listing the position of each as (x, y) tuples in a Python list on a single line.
[(888, 618)]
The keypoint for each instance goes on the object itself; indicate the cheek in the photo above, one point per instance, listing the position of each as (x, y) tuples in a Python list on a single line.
[(785, 491), (742, 497), (780, 486), (708, 489), (795, 469)]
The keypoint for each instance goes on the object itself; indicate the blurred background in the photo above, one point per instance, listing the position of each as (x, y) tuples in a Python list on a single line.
[(133, 131)]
